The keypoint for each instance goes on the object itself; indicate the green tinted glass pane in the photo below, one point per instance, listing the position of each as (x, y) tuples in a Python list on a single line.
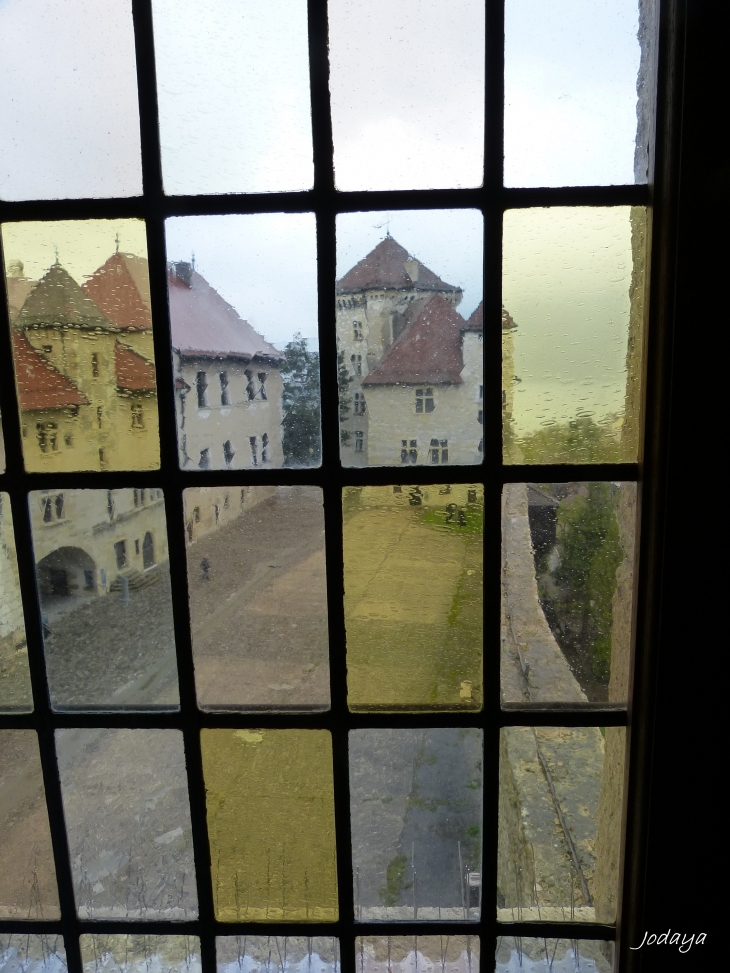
[(404, 954), (573, 293), (413, 596), (567, 591), (141, 953), (522, 954), (271, 824), (560, 807), (27, 873), (15, 689), (79, 307)]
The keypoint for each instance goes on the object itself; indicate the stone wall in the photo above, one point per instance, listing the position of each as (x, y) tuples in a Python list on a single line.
[(12, 630)]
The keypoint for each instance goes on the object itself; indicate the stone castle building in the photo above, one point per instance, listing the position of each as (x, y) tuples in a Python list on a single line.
[(84, 368), (227, 380), (415, 388)]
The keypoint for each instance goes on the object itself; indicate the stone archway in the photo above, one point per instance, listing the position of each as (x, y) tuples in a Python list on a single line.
[(65, 576)]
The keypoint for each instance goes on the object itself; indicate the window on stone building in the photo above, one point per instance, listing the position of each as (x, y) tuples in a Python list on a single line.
[(356, 361), (68, 440), (110, 504), (228, 453), (137, 415), (265, 448), (424, 400), (262, 384), (201, 388), (359, 441), (204, 461), (95, 364), (250, 387), (356, 331), (358, 404), (120, 555), (99, 416), (439, 451), (254, 450), (225, 393), (135, 496)]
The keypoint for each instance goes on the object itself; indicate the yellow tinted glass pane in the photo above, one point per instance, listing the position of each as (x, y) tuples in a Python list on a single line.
[(271, 824), (15, 689), (413, 596), (27, 873), (560, 802), (79, 307), (573, 293)]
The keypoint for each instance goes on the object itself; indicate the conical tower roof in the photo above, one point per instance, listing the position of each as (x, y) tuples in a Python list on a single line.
[(390, 267), (58, 299), (116, 292)]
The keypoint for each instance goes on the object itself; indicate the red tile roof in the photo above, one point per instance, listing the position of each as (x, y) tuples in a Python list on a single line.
[(206, 326), (114, 289), (134, 373), (428, 350), (390, 267), (40, 385)]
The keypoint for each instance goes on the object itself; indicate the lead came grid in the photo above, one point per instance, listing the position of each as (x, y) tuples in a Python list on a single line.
[(154, 207)]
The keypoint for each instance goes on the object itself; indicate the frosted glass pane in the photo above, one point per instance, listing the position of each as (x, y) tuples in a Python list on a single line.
[(567, 591), (27, 872), (522, 954), (410, 327), (289, 954), (103, 576), (125, 802), (258, 597), (560, 808), (40, 954), (233, 94), (571, 70), (15, 689), (69, 121), (245, 351), (408, 954), (271, 824), (573, 293), (416, 817), (79, 308), (407, 88)]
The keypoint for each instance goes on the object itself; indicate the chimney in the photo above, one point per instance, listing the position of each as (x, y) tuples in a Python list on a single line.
[(184, 272), (412, 267)]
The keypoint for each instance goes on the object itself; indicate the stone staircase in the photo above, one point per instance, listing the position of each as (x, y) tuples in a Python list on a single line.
[(138, 580)]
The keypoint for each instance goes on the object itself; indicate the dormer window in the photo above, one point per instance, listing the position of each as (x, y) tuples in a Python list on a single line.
[(424, 400)]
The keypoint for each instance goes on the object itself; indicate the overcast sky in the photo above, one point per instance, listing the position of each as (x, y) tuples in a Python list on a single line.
[(406, 80)]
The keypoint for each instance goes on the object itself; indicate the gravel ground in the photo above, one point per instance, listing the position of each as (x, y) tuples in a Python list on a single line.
[(110, 653)]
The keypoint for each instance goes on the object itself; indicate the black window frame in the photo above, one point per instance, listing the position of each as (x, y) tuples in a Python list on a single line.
[(677, 66)]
